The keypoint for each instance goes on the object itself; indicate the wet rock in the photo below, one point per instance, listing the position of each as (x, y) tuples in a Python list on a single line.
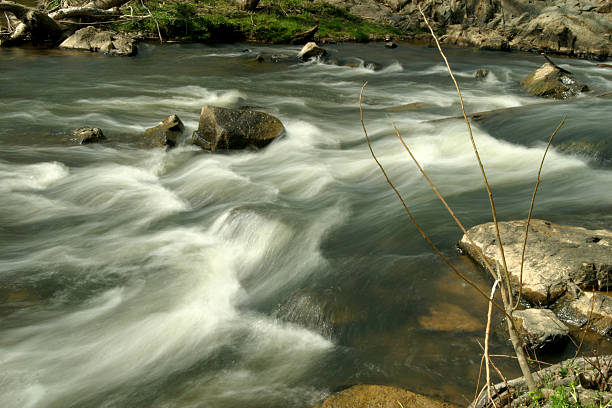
[(311, 51), (541, 328), (390, 44), (481, 74), (379, 396), (96, 40), (223, 128), (259, 58), (449, 318), (551, 81), (372, 65), (593, 310), (555, 255), (86, 135), (166, 133)]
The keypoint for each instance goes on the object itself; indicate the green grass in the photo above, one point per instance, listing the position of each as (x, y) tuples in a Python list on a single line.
[(273, 22)]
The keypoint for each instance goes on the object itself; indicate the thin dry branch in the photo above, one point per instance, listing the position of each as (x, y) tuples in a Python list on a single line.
[(482, 170), (412, 219), (533, 197), (445, 203), (161, 40)]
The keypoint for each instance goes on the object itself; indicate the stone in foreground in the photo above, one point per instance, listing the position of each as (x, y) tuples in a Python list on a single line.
[(231, 129), (555, 255), (166, 133), (311, 51), (379, 396), (86, 135), (96, 40), (551, 81), (540, 328)]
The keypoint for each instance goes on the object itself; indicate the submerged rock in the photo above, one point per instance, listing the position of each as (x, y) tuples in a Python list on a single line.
[(379, 396), (311, 51), (541, 328), (223, 128), (481, 74), (166, 133), (550, 81), (326, 311), (86, 135), (555, 255), (450, 318), (96, 40)]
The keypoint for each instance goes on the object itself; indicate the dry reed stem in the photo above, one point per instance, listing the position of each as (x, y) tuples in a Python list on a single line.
[(412, 219), (486, 345), (476, 393), (533, 197), (482, 170)]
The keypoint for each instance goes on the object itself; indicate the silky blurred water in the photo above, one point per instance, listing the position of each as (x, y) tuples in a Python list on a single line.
[(134, 277)]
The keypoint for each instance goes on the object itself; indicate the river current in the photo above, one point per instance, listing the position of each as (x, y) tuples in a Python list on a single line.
[(135, 277)]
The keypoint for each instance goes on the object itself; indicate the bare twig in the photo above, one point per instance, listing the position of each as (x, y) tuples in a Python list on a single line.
[(533, 197), (486, 345), (8, 22), (161, 40), (412, 219)]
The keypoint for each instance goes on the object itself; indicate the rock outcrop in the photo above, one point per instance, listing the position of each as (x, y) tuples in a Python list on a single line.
[(551, 81), (96, 40), (229, 129), (379, 396), (86, 135), (166, 133), (541, 328), (555, 27), (561, 264)]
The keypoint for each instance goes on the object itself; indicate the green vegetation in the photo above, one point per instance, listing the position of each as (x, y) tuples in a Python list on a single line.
[(273, 22)]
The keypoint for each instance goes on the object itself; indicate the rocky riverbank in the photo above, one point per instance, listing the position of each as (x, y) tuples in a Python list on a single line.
[(574, 28)]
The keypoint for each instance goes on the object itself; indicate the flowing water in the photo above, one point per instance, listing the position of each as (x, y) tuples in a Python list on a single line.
[(134, 277)]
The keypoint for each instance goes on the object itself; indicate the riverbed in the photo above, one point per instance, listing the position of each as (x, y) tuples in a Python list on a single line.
[(138, 277)]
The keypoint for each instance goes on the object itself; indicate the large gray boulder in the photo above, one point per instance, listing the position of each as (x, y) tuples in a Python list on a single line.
[(555, 255), (96, 40), (229, 129), (166, 133), (550, 81), (541, 328)]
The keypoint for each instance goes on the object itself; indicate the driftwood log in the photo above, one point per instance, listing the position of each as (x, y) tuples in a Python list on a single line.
[(50, 28)]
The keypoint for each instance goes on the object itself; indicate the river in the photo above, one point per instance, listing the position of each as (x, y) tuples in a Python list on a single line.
[(134, 277)]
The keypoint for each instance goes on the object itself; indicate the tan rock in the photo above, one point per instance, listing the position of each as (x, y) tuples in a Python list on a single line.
[(379, 396), (555, 255)]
